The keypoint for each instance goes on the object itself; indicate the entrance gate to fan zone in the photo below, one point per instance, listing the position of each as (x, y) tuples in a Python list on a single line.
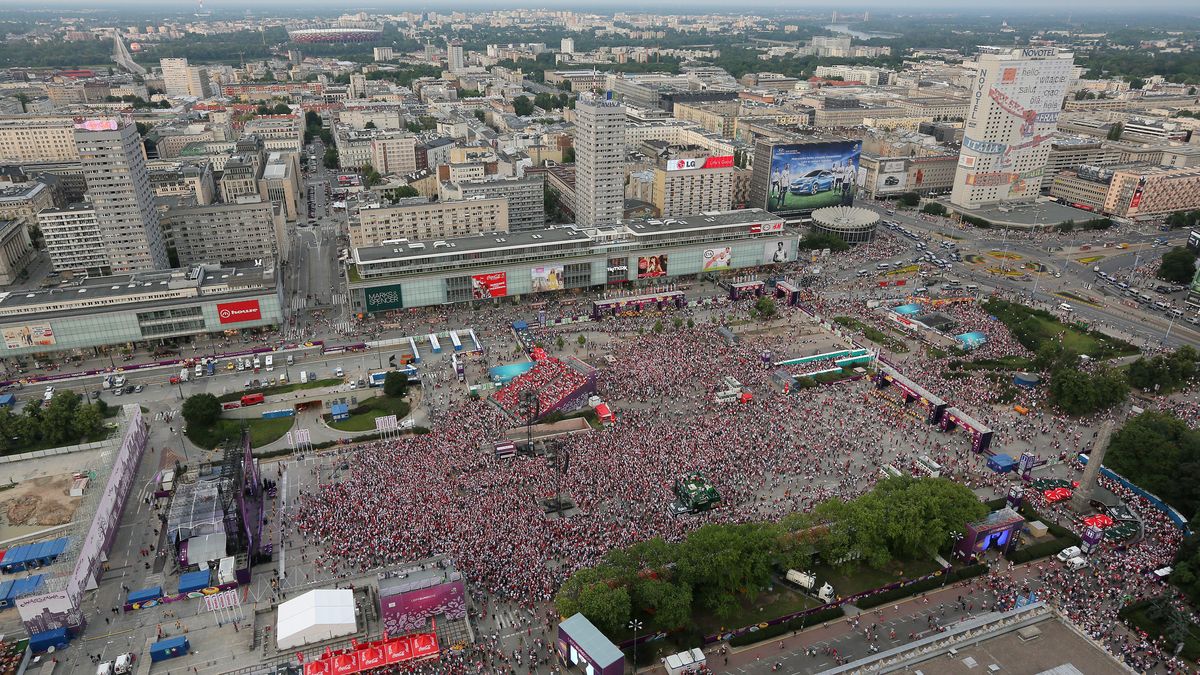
[(387, 426), (225, 607), (299, 440), (911, 391), (787, 292), (981, 436)]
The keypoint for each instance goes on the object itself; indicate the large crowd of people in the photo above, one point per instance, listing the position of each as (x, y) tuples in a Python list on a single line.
[(443, 493), (551, 380)]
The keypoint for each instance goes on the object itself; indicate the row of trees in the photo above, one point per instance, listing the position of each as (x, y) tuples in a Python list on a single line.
[(1164, 373), (1160, 453), (1184, 219), (65, 421), (717, 567)]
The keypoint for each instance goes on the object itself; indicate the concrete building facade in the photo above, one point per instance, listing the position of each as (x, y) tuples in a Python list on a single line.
[(372, 226), (110, 151), (525, 197), (73, 240), (599, 161), (251, 229)]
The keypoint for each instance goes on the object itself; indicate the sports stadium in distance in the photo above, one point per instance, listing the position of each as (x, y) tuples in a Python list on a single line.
[(334, 35)]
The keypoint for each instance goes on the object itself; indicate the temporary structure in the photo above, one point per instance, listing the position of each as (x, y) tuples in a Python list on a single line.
[(316, 616)]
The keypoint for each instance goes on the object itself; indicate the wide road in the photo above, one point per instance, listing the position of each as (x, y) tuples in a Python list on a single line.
[(1147, 328)]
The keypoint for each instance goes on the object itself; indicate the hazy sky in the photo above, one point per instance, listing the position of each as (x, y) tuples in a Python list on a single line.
[(1008, 7)]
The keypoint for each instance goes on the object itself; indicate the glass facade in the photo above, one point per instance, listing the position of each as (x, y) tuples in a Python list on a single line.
[(446, 282), (116, 326)]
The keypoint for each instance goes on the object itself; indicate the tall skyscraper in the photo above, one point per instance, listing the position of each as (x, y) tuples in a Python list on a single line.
[(175, 76), (454, 56), (599, 161), (118, 183), (1016, 97)]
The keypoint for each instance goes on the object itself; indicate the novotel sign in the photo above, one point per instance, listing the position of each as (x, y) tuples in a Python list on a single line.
[(237, 312), (719, 162), (1039, 53)]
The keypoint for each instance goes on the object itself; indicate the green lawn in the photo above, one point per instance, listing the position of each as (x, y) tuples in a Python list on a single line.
[(363, 417), (873, 334), (1032, 327), (262, 431), (279, 389), (864, 578), (778, 601)]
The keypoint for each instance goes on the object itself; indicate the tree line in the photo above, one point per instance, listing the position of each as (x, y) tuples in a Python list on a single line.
[(720, 566), (65, 421)]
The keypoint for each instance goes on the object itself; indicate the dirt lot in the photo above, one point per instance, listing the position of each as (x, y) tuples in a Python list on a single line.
[(37, 502)]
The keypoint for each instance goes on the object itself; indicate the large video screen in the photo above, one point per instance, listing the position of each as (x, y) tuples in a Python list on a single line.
[(807, 176)]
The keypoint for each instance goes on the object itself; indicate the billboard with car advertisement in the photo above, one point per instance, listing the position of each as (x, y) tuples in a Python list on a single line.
[(807, 176), (33, 335), (892, 177), (717, 259), (547, 278), (383, 298), (720, 162), (490, 285), (651, 266), (237, 312)]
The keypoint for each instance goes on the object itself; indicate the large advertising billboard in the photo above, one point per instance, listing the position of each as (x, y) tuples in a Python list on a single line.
[(547, 278), (383, 298), (651, 266), (719, 162), (33, 335), (892, 177), (775, 252), (807, 176), (237, 312), (717, 259), (411, 610), (490, 285)]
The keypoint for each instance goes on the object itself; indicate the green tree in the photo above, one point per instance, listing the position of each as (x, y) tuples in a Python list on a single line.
[(1160, 453), (819, 242), (88, 422), (765, 307), (582, 340), (371, 177), (1079, 393), (1185, 574), (910, 199), (1115, 131), (369, 125), (403, 192), (934, 208), (589, 592), (1136, 83), (201, 410), (658, 326), (58, 421), (569, 156), (331, 158), (312, 118), (522, 106), (282, 109), (669, 604), (1163, 373), (395, 384), (1178, 265), (722, 562)]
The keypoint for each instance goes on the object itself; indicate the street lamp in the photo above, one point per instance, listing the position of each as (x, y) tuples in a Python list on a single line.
[(635, 625)]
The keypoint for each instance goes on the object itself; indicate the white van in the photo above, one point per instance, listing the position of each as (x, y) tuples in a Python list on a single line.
[(303, 377), (1077, 563), (257, 362), (882, 266), (1068, 553), (290, 359), (1066, 307), (270, 363)]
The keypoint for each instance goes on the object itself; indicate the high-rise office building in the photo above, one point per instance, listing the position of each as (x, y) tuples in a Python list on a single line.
[(110, 151), (567, 46), (599, 161), (454, 56), (175, 76), (1016, 96), (180, 79)]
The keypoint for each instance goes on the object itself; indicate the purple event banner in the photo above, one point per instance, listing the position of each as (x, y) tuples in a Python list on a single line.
[(408, 611)]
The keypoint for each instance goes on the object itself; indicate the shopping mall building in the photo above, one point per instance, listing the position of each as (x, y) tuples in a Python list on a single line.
[(144, 309), (633, 254)]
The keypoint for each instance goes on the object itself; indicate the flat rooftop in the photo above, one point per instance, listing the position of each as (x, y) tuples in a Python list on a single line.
[(213, 284), (641, 227), (1041, 214), (402, 250), (1059, 650)]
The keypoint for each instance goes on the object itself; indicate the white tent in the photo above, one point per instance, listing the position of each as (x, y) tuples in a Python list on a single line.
[(316, 616)]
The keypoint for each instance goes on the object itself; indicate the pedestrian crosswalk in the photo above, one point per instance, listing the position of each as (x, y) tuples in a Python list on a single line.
[(340, 298), (342, 327)]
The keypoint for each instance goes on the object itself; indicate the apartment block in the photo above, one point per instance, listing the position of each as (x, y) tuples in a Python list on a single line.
[(373, 226)]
